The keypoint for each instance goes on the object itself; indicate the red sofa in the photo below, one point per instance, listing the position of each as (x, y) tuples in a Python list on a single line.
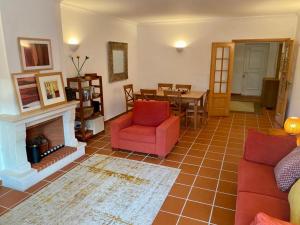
[(257, 188), (149, 128)]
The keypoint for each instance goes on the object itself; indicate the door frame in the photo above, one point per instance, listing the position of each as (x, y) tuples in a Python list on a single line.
[(255, 40)]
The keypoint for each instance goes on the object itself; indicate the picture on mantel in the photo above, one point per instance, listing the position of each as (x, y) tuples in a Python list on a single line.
[(26, 91)]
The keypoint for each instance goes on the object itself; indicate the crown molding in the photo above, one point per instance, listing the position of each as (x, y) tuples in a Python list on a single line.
[(96, 13), (209, 19)]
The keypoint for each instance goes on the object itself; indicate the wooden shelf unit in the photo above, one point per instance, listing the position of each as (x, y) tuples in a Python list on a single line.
[(87, 81)]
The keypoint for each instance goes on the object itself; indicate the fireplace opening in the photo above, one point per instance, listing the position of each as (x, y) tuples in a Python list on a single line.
[(45, 143)]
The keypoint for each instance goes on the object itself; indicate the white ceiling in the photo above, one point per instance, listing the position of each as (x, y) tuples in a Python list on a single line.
[(159, 10)]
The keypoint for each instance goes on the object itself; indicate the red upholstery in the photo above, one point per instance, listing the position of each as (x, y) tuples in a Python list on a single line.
[(149, 129), (258, 178), (249, 204), (257, 188), (267, 149), (138, 132), (264, 219), (152, 113)]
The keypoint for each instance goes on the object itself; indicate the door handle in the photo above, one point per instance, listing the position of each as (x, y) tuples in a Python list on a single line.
[(244, 75)]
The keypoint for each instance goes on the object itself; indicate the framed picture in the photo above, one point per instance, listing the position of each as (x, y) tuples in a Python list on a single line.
[(35, 54), (117, 61), (26, 91), (51, 88)]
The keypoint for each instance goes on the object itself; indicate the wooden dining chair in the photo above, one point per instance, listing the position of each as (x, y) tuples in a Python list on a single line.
[(183, 87), (148, 94), (202, 111), (175, 100), (129, 97), (164, 86)]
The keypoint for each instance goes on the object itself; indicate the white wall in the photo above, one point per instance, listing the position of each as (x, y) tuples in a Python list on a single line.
[(94, 31), (30, 18), (6, 88), (159, 61), (294, 103)]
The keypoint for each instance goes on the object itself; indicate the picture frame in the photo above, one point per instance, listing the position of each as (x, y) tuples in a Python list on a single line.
[(35, 54), (51, 89), (26, 90), (117, 61)]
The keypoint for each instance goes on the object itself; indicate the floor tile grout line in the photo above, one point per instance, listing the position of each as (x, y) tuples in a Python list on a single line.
[(5, 193), (204, 203), (218, 182), (183, 216), (198, 169)]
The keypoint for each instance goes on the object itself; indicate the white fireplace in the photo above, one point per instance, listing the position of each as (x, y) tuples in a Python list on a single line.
[(15, 170)]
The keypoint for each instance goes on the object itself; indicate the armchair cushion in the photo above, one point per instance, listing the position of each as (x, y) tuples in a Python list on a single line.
[(138, 133), (150, 113), (267, 149), (264, 219)]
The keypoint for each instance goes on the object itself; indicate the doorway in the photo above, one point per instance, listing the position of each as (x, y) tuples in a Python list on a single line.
[(255, 65)]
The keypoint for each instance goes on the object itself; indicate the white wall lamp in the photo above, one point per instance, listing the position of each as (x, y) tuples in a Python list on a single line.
[(180, 45), (73, 44)]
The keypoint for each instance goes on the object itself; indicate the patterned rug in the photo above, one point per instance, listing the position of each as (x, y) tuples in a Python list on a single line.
[(100, 190)]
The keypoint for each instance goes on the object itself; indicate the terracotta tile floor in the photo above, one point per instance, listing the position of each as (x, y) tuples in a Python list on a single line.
[(205, 190)]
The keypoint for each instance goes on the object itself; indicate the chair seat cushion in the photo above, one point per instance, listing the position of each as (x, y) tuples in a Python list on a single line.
[(249, 204), (258, 178), (139, 133)]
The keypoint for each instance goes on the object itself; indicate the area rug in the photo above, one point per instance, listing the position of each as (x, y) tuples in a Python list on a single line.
[(100, 190), (238, 106)]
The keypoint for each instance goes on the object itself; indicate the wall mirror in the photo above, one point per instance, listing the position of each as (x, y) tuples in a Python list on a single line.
[(117, 61)]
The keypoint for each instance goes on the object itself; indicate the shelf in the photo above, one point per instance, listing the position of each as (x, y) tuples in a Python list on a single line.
[(88, 134), (94, 116), (98, 97)]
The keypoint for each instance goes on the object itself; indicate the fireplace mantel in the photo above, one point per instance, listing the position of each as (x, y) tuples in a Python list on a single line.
[(15, 170)]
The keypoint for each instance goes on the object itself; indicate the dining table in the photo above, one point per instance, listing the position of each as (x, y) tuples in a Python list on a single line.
[(195, 97)]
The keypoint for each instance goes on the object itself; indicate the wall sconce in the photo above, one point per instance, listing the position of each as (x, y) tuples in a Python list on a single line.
[(180, 45), (73, 44)]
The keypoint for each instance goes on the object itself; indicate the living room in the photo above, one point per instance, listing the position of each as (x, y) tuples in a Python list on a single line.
[(201, 183)]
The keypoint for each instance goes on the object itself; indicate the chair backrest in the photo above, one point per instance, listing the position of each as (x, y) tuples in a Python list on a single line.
[(205, 104), (164, 86), (183, 87), (128, 90), (148, 94), (174, 98), (150, 113)]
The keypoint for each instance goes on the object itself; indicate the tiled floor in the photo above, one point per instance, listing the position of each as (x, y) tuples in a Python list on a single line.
[(205, 190)]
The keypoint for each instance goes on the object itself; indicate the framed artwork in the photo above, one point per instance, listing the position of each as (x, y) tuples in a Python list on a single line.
[(26, 91), (51, 89), (117, 61), (35, 54)]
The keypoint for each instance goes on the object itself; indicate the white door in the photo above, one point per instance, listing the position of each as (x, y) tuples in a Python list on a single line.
[(255, 67)]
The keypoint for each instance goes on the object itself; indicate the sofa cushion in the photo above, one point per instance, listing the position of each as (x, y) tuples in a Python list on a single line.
[(249, 204), (264, 219), (150, 113), (287, 171), (267, 149), (258, 178), (138, 133), (294, 200)]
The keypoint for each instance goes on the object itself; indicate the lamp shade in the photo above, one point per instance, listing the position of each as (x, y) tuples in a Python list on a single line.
[(292, 125)]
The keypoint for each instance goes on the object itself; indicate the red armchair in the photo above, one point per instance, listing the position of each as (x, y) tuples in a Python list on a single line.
[(149, 128)]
